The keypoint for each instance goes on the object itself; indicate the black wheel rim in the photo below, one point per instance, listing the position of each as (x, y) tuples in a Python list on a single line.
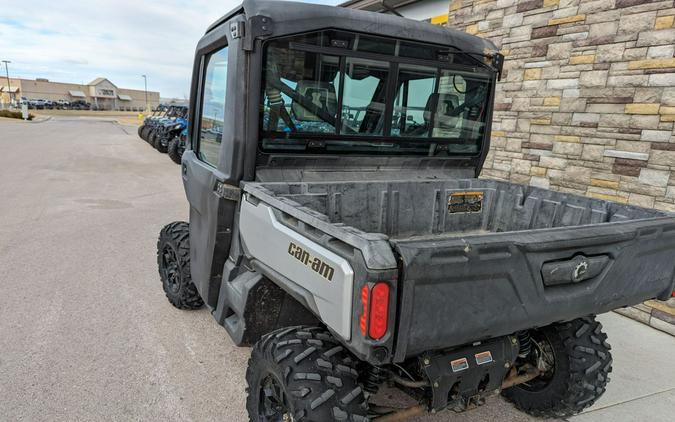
[(171, 269), (273, 403)]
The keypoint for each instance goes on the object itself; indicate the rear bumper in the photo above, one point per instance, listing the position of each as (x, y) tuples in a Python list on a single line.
[(460, 290)]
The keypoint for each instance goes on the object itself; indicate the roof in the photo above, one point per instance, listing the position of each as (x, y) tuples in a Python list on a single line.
[(13, 89), (124, 97), (99, 80), (74, 93), (293, 17)]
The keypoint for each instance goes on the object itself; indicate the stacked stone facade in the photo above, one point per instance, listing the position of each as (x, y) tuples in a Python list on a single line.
[(587, 101)]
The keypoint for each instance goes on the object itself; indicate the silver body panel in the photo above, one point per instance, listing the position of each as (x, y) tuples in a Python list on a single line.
[(269, 241)]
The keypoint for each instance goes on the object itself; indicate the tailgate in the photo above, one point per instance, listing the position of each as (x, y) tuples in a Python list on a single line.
[(463, 289)]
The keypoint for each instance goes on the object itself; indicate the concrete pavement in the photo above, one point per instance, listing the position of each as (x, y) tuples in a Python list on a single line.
[(87, 334)]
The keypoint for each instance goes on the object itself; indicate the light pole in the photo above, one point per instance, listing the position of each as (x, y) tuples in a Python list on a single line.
[(9, 85), (145, 79)]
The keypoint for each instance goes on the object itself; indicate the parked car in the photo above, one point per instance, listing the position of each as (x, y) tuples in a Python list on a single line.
[(38, 104), (62, 104), (80, 105)]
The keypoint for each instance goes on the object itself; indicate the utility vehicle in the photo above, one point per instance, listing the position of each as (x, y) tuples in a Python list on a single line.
[(151, 123), (338, 225), (168, 129), (147, 122)]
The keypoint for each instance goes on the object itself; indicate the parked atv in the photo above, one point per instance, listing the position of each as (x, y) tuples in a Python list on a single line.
[(157, 127), (338, 225)]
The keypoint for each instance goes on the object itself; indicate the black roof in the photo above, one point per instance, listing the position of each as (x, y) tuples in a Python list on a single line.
[(294, 17)]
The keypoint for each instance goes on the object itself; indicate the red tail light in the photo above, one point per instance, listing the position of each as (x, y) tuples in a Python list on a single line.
[(673, 293), (379, 310), (363, 320)]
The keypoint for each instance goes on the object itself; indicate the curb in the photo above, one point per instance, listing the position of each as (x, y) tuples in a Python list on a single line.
[(658, 315), (40, 119)]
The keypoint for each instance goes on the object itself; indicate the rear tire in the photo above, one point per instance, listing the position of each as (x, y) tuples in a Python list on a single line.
[(140, 131), (175, 152), (173, 259), (303, 374), (581, 365)]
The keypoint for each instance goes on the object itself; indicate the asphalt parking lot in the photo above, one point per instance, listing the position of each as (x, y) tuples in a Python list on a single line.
[(87, 334)]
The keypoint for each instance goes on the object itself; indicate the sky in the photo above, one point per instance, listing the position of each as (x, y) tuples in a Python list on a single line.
[(77, 41)]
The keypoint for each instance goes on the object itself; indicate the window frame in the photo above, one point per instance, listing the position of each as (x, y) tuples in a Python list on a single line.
[(203, 69)]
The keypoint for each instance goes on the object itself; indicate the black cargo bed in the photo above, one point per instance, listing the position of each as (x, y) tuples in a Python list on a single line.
[(485, 258)]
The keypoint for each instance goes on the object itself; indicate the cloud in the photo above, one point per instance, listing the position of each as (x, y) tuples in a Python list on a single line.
[(78, 41)]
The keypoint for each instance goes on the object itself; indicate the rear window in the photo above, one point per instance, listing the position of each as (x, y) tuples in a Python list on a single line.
[(346, 93)]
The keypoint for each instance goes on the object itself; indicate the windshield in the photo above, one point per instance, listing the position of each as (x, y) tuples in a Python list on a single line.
[(350, 93)]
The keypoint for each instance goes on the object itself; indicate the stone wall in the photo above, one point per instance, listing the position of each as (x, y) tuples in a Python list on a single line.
[(587, 101)]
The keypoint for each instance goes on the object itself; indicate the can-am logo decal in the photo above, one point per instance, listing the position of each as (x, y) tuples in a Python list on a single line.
[(316, 264)]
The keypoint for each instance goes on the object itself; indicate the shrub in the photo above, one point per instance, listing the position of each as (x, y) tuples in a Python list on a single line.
[(14, 114)]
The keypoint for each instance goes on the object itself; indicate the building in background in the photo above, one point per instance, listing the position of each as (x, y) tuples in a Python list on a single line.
[(434, 11), (100, 93), (587, 101)]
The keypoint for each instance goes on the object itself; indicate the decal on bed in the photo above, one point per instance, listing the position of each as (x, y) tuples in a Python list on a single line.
[(316, 264), (465, 202)]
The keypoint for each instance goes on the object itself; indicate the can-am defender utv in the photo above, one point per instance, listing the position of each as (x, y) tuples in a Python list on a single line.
[(337, 224)]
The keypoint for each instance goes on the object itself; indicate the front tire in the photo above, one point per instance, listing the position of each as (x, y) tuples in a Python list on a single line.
[(580, 361), (303, 374), (173, 259), (145, 133), (175, 151)]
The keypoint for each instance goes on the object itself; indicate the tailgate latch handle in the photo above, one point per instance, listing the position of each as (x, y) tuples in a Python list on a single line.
[(580, 271), (579, 268)]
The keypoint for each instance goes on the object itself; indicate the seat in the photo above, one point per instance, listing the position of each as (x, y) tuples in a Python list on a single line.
[(442, 106), (320, 95)]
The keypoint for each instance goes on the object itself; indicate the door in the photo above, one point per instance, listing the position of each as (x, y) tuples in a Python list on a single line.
[(212, 203)]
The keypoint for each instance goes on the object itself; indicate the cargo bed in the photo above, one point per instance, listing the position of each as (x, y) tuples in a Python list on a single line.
[(482, 258)]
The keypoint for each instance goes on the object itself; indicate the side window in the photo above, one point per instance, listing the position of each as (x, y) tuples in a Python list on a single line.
[(213, 107)]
